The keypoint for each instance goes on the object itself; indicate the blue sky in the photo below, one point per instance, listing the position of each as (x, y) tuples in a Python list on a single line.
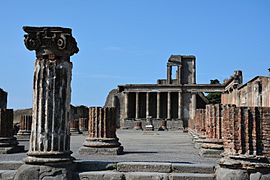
[(123, 42)]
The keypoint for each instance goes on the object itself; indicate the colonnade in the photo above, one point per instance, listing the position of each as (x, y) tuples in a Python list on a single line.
[(159, 105)]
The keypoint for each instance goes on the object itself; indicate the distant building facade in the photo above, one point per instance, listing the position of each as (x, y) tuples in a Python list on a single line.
[(174, 99)]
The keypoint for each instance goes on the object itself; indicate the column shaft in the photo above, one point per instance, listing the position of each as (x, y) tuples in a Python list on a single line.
[(158, 105), (147, 104), (169, 106), (193, 102), (126, 116), (137, 106), (179, 105)]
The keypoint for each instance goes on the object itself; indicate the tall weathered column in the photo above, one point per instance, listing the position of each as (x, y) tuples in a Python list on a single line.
[(50, 138), (147, 105), (83, 124), (169, 106), (158, 105), (126, 105), (51, 93), (169, 74), (137, 106), (102, 137), (180, 105), (8, 143), (3, 99)]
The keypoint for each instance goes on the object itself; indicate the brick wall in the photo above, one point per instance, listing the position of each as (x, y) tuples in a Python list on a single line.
[(244, 130)]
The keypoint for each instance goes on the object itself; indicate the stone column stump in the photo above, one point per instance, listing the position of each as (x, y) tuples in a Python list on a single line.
[(74, 127), (83, 124), (102, 133), (25, 127), (49, 155), (8, 143), (163, 125)]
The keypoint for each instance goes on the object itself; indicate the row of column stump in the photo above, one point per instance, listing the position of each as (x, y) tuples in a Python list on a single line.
[(240, 136)]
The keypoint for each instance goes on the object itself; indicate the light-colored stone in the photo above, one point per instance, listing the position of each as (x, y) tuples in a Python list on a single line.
[(193, 168), (144, 167), (101, 175), (146, 176), (10, 165), (7, 174), (191, 176)]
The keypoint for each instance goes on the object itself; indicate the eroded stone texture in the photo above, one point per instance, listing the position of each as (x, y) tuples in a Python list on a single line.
[(50, 137), (102, 132), (8, 143), (74, 127), (25, 127)]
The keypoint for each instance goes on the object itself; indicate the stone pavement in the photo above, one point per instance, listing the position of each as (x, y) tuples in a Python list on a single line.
[(156, 146)]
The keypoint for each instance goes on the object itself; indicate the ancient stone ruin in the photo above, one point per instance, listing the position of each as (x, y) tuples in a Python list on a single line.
[(173, 100), (102, 132), (49, 149)]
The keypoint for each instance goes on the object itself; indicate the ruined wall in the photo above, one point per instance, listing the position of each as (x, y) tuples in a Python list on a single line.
[(3, 99), (244, 130), (256, 92)]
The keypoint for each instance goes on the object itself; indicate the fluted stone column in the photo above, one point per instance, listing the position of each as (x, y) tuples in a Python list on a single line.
[(8, 143), (180, 105), (126, 105), (25, 127), (169, 74), (158, 105), (169, 106), (102, 137), (147, 105), (50, 139), (137, 106), (49, 155)]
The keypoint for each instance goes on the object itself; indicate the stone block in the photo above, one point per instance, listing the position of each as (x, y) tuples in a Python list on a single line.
[(7, 174), (101, 175), (144, 167), (211, 153), (191, 176), (10, 165), (193, 168), (146, 176), (83, 166), (102, 151), (231, 174)]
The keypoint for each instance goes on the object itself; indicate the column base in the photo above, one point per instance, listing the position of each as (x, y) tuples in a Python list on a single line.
[(41, 158), (243, 167), (53, 172), (101, 142), (102, 151)]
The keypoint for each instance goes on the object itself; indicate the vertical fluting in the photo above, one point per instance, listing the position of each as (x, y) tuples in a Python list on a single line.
[(50, 137), (102, 128)]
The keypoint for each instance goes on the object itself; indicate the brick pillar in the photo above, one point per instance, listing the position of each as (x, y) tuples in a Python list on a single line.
[(50, 139), (83, 124), (8, 143), (102, 137), (25, 127), (74, 127)]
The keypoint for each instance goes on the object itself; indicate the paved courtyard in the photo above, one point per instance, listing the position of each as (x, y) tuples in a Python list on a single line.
[(157, 146)]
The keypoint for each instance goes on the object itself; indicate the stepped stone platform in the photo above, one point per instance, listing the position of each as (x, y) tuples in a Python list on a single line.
[(160, 155)]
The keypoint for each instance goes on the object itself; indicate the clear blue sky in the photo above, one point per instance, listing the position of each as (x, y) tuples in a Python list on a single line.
[(124, 42)]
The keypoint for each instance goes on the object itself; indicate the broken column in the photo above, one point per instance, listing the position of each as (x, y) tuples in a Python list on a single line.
[(102, 137), (8, 143), (25, 127), (49, 154), (74, 127)]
